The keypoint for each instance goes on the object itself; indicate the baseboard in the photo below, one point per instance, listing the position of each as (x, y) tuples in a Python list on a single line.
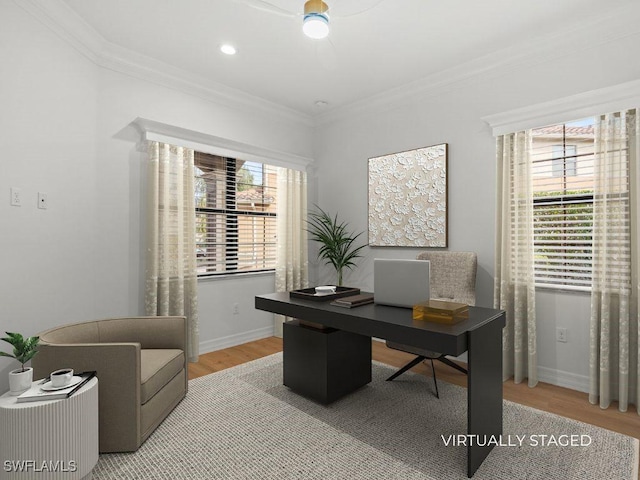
[(563, 379), (236, 339)]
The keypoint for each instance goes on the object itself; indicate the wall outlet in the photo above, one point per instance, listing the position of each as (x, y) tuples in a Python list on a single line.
[(236, 309), (42, 200), (16, 197), (561, 335)]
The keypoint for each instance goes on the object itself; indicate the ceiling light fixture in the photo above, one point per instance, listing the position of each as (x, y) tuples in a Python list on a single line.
[(228, 49), (316, 19)]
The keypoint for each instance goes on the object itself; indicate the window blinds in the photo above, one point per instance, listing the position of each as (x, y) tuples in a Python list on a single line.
[(562, 159), (235, 215)]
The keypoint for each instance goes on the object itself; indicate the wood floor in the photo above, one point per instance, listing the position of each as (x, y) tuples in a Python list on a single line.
[(550, 398)]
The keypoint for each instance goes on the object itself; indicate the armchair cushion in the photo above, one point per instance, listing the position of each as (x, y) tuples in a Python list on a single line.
[(157, 368)]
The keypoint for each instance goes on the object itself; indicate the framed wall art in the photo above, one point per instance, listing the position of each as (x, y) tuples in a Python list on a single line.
[(408, 198)]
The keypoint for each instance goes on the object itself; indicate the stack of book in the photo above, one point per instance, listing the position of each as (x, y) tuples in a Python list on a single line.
[(440, 311), (36, 393), (353, 300)]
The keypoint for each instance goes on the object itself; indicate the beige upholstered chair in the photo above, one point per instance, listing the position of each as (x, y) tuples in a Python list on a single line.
[(452, 278), (141, 367)]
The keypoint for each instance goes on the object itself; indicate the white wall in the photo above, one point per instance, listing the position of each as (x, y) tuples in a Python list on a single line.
[(64, 130), (452, 114), (48, 144)]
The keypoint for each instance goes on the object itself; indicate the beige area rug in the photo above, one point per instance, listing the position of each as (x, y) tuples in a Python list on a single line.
[(242, 423)]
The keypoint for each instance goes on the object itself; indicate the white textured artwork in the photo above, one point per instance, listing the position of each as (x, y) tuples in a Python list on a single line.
[(408, 198)]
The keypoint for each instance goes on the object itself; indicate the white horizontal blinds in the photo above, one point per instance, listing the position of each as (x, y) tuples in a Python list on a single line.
[(612, 215), (562, 159), (235, 215)]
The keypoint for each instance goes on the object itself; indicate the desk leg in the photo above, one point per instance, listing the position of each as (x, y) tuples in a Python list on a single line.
[(484, 393)]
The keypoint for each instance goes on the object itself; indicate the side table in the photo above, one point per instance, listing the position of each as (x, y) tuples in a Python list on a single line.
[(50, 439)]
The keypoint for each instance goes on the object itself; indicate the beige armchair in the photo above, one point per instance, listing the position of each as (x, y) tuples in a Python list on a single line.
[(141, 367), (453, 279)]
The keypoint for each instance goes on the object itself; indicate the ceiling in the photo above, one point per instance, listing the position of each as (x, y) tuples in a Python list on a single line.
[(373, 46)]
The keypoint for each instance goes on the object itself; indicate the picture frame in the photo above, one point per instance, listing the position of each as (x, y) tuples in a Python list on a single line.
[(407, 197)]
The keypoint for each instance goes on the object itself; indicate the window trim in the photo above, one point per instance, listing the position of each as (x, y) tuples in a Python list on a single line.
[(593, 103), (213, 145)]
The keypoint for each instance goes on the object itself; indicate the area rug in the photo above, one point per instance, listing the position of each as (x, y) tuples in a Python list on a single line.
[(242, 423)]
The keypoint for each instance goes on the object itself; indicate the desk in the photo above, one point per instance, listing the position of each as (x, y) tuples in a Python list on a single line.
[(480, 335)]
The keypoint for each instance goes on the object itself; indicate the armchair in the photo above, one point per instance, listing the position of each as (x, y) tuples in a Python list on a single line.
[(141, 368), (453, 279)]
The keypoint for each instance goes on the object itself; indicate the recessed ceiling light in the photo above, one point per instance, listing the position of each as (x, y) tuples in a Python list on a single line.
[(228, 49)]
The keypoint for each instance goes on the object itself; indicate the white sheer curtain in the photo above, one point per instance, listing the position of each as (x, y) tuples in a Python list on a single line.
[(171, 278), (514, 270), (613, 358), (292, 263)]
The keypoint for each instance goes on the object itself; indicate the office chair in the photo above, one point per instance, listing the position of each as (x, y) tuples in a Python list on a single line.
[(453, 279)]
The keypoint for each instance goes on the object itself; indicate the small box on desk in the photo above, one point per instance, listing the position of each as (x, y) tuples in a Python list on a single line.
[(440, 311)]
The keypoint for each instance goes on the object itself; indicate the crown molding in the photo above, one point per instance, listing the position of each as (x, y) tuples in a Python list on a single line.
[(62, 20), (66, 23), (615, 25), (59, 17), (594, 102), (206, 143)]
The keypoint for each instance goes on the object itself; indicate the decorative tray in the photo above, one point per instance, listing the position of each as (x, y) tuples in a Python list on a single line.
[(310, 294)]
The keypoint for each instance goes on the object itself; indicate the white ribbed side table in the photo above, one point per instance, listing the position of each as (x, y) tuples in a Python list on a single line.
[(50, 439)]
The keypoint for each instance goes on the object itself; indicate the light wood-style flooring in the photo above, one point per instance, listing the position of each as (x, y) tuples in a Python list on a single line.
[(549, 398)]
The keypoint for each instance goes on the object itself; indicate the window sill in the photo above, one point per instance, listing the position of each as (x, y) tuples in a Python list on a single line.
[(565, 290), (236, 276)]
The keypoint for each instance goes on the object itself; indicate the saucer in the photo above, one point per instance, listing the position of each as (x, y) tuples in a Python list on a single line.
[(48, 387)]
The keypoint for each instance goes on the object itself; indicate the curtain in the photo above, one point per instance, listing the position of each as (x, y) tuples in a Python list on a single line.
[(514, 289), (613, 361), (292, 262), (171, 277)]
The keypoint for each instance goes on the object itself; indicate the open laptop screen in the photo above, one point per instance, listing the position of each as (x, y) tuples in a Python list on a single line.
[(400, 283)]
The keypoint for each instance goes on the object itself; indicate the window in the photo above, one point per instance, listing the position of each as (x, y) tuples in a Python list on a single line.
[(235, 215), (564, 161), (563, 186)]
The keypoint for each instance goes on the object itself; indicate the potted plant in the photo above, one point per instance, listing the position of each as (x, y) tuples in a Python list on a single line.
[(23, 350), (337, 243)]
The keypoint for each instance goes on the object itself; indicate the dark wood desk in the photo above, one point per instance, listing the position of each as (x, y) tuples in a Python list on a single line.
[(480, 335)]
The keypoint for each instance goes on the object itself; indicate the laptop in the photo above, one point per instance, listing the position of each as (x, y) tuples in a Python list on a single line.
[(400, 283)]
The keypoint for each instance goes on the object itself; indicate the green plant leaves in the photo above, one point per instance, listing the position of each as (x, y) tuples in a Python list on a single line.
[(337, 243), (23, 349)]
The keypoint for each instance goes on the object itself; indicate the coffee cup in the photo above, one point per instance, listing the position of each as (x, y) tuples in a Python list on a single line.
[(61, 377)]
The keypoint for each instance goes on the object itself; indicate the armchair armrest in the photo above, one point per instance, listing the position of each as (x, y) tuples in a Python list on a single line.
[(118, 370)]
